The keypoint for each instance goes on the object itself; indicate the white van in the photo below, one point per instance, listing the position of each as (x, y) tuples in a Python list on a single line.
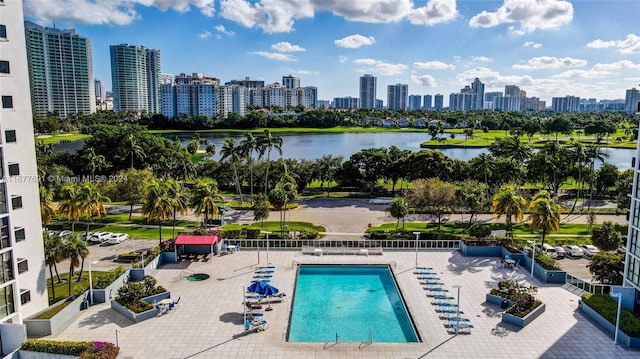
[(549, 250)]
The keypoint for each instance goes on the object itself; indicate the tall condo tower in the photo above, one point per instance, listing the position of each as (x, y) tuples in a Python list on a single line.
[(23, 290), (368, 91), (135, 78), (397, 96), (290, 82), (60, 71)]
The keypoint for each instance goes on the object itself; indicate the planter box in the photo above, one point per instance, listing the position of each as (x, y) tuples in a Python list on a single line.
[(26, 354), (103, 295), (631, 342), (494, 299), (480, 251), (523, 322), (43, 327), (139, 317)]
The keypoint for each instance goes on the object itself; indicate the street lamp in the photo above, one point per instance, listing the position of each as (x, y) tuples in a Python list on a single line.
[(533, 257), (619, 296), (458, 286), (267, 233), (91, 282), (417, 237)]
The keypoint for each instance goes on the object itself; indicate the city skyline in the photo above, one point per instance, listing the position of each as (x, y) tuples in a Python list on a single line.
[(556, 48)]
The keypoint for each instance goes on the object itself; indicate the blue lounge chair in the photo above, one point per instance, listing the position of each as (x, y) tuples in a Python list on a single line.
[(258, 324), (172, 305), (266, 276), (448, 313), (455, 319), (431, 283), (436, 291), (177, 301), (461, 326), (423, 272), (266, 267), (443, 297), (265, 271), (447, 305), (424, 268), (427, 277)]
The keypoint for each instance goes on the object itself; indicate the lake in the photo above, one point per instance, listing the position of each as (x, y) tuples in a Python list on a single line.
[(316, 145)]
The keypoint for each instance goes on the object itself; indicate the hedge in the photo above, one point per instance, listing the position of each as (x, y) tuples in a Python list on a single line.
[(56, 347), (109, 278), (608, 308), (547, 262)]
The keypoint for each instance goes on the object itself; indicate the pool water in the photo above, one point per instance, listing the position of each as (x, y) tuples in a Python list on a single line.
[(352, 301)]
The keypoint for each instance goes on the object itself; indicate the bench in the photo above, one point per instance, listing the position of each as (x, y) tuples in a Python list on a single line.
[(312, 251)]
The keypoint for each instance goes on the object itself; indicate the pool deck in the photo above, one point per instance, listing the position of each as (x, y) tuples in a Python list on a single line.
[(208, 321)]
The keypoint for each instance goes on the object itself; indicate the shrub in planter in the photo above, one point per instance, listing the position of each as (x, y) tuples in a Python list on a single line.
[(608, 308), (200, 232), (547, 262), (100, 350), (129, 257), (521, 295), (109, 278), (56, 347), (130, 295), (253, 233), (231, 233), (479, 230), (309, 234)]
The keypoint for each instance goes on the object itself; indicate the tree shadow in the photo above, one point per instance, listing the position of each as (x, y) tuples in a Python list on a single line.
[(104, 317), (232, 317), (491, 310)]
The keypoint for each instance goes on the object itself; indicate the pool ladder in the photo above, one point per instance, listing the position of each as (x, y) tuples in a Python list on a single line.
[(370, 337)]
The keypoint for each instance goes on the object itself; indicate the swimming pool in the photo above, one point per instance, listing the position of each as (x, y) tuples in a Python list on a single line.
[(352, 301)]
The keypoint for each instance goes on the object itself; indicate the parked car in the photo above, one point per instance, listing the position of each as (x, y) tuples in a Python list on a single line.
[(589, 250), (64, 233), (621, 250), (560, 252), (53, 233), (99, 237), (85, 235), (573, 251), (116, 238), (381, 200)]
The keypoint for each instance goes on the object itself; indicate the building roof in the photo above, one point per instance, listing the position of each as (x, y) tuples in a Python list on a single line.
[(190, 239)]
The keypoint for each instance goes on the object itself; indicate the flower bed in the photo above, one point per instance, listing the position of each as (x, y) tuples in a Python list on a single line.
[(131, 294), (82, 350), (521, 295)]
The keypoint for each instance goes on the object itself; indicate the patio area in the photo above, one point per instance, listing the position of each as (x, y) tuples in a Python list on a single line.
[(208, 321)]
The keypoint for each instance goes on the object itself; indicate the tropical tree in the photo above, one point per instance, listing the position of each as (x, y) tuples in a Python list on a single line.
[(203, 199), (157, 204), (485, 164), (93, 162), (132, 186), (606, 236), (249, 145), (193, 147), (544, 214), (91, 202), (133, 148), (47, 209), (70, 203), (471, 196), (578, 157), (507, 202), (52, 255), (83, 252), (233, 154), (607, 267), (432, 196), (71, 249), (594, 153), (327, 166), (261, 208), (270, 142), (398, 208), (278, 199), (179, 201), (211, 150)]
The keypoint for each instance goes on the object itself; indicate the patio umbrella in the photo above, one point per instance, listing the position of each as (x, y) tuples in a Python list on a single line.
[(269, 290), (257, 287)]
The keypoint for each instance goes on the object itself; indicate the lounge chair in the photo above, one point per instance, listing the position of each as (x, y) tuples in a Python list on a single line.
[(260, 277), (257, 324), (172, 305), (444, 306), (265, 271), (177, 301), (423, 268), (461, 326), (427, 277), (455, 319), (448, 313), (431, 284), (423, 272)]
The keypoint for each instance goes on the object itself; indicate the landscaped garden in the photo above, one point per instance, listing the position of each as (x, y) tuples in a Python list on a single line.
[(521, 295), (130, 295), (608, 308), (83, 350)]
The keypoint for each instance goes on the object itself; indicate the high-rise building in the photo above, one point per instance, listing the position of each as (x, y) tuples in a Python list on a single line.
[(512, 90), (97, 84), (632, 259), (310, 97), (23, 290), (488, 96), (465, 101), (247, 83), (565, 104), (135, 78), (507, 103), (632, 101), (379, 104), (397, 96), (478, 88), (290, 82), (426, 102), (345, 102), (532, 104), (368, 85), (60, 71), (415, 102), (438, 102)]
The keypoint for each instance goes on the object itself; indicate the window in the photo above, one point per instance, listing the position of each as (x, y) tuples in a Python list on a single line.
[(6, 301), (19, 234), (4, 67), (14, 169), (3, 198), (4, 233), (16, 202), (3, 32), (6, 267), (7, 101), (10, 136), (25, 296), (23, 265)]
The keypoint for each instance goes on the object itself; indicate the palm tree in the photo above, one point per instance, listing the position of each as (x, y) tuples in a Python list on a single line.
[(71, 250), (579, 159), (203, 197), (509, 203), (92, 203), (133, 148), (249, 145), (69, 203), (83, 252), (178, 196), (594, 153), (232, 153), (47, 209), (157, 205), (94, 162), (270, 142), (210, 150), (52, 255), (544, 214)]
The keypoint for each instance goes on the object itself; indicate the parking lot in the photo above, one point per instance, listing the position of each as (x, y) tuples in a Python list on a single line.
[(105, 253), (577, 267)]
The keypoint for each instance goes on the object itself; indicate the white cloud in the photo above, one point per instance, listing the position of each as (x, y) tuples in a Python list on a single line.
[(629, 45), (424, 80), (205, 35), (105, 12), (222, 30), (274, 55), (287, 47), (433, 65), (493, 78), (532, 44), (589, 74), (342, 59), (481, 58), (620, 65), (307, 72), (550, 62), (434, 12), (381, 67), (355, 41), (270, 15), (529, 15), (371, 11)]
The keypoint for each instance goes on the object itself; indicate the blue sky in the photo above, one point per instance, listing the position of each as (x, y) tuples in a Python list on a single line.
[(586, 48)]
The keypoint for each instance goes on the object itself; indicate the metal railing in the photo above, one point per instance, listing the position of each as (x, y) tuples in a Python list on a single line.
[(588, 286), (346, 243)]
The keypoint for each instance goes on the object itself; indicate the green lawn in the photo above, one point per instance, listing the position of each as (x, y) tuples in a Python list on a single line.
[(62, 289), (62, 136), (274, 226)]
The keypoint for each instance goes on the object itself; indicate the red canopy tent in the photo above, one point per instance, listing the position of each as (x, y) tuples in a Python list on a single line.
[(197, 240)]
